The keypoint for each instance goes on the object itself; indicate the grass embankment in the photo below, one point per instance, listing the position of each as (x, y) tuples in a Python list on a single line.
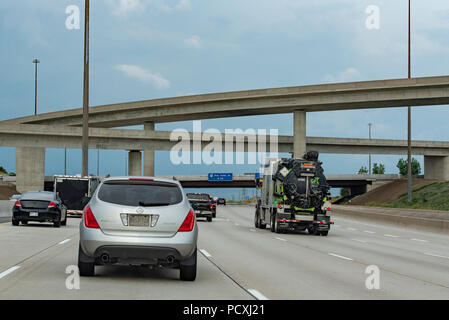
[(434, 196)]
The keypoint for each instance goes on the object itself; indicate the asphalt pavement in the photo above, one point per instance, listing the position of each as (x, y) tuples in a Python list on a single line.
[(237, 261)]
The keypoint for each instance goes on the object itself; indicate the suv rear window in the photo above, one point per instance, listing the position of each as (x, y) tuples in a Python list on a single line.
[(137, 193), (194, 196)]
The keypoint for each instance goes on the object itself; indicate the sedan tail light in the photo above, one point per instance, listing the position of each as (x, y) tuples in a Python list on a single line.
[(17, 204), (52, 205), (188, 223), (89, 218)]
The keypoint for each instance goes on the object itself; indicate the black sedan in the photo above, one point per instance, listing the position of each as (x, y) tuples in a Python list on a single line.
[(221, 201), (39, 206)]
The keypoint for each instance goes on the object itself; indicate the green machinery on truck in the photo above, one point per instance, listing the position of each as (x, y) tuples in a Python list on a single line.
[(294, 196)]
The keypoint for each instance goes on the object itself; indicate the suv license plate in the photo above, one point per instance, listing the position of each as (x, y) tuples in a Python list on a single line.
[(138, 220), (34, 214)]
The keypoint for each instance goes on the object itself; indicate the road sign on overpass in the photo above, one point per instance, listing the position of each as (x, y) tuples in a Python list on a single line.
[(219, 177)]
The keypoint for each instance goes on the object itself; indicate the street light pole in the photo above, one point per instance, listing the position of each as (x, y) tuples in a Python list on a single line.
[(35, 61), (369, 125), (409, 131), (85, 139)]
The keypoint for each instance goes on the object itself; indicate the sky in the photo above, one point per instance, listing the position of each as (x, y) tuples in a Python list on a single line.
[(146, 49)]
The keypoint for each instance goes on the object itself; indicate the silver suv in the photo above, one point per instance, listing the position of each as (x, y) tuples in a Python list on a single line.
[(139, 221)]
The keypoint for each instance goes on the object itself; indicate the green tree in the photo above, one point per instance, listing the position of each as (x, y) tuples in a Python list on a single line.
[(363, 170), (378, 168), (344, 192), (403, 167), (3, 170)]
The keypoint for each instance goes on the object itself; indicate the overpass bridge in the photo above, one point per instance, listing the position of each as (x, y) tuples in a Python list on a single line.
[(30, 152), (358, 183)]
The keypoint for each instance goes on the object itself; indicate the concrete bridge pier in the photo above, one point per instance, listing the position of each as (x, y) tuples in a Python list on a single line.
[(299, 133), (148, 158), (134, 163), (30, 169), (436, 167)]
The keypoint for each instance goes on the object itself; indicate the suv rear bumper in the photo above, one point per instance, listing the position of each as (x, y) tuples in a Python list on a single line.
[(181, 245)]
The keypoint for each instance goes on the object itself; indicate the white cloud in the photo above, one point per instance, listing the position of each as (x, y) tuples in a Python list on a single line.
[(124, 7), (194, 42), (133, 71), (350, 74), (179, 5)]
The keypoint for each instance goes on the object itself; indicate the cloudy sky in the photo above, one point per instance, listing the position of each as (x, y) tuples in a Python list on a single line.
[(145, 49)]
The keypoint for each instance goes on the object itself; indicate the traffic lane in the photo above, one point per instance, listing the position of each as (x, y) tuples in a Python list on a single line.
[(403, 256), (394, 285), (18, 243), (418, 241), (42, 275), (435, 238)]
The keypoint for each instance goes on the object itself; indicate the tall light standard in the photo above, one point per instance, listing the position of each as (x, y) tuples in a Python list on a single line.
[(369, 126), (85, 140), (35, 61), (409, 133)]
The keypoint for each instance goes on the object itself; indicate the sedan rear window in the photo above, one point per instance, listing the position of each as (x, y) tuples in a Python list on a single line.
[(198, 196), (140, 193)]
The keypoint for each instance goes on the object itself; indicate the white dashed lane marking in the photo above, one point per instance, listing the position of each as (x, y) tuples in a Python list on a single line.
[(280, 239), (436, 255), (64, 241), (8, 271), (257, 294), (207, 254), (341, 257)]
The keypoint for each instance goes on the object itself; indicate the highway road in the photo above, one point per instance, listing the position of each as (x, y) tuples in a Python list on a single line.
[(237, 261)]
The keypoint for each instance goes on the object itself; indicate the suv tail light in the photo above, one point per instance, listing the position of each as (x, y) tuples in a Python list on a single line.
[(188, 223), (52, 205), (17, 204), (89, 218)]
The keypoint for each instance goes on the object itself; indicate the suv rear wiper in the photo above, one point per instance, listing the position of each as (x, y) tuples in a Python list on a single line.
[(153, 204)]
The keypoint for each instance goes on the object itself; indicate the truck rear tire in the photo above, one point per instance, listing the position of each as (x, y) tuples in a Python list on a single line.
[(256, 219), (324, 233), (276, 225)]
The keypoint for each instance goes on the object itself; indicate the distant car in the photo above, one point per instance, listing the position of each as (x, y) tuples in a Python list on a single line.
[(39, 206), (203, 205), (139, 221), (221, 201), (14, 197)]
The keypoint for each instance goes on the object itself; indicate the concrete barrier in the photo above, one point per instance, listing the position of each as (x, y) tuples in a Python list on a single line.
[(426, 220), (6, 208)]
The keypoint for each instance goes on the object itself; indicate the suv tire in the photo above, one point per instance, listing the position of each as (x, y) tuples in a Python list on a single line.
[(87, 269), (188, 271)]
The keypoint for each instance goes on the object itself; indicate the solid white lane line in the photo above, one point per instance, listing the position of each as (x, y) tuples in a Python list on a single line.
[(280, 239), (390, 236), (362, 241), (64, 241), (367, 231), (351, 229), (252, 230), (341, 257), (419, 240), (257, 294), (207, 254), (435, 255), (237, 224), (6, 272)]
